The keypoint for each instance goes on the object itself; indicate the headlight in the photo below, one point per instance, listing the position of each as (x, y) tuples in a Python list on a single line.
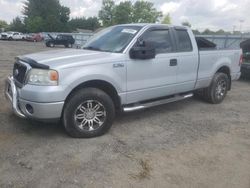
[(42, 77)]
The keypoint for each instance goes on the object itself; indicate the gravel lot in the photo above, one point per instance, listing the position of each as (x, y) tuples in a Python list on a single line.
[(184, 144)]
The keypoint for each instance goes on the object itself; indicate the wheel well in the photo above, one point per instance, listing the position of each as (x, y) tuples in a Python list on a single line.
[(102, 85), (226, 71)]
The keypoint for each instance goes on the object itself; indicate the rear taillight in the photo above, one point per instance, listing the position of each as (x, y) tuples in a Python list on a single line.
[(241, 60)]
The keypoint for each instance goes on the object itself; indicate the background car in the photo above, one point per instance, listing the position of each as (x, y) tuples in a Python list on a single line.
[(34, 37), (245, 67), (12, 36), (62, 39)]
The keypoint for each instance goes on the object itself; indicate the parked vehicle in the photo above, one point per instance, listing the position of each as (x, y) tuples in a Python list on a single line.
[(122, 68), (34, 37), (245, 67), (65, 40), (12, 36)]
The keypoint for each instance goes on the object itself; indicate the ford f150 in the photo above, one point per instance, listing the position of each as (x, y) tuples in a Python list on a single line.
[(121, 68)]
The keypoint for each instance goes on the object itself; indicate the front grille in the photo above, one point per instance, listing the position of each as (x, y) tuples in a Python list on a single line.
[(19, 72)]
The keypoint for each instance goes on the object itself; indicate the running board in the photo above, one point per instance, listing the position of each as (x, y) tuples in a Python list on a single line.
[(156, 103)]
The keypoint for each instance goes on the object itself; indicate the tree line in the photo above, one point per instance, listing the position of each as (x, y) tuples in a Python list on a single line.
[(51, 16)]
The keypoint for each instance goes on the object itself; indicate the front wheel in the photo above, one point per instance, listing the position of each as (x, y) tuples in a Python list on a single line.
[(217, 90), (51, 44), (88, 113)]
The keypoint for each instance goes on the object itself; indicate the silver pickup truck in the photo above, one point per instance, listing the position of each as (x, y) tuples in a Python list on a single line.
[(121, 68)]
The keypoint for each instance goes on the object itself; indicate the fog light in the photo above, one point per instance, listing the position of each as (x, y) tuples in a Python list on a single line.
[(29, 108)]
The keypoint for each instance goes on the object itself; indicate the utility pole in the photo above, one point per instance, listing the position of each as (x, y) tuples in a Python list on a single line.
[(234, 27), (241, 21)]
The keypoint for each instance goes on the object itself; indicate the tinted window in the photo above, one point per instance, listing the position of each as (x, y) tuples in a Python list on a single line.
[(59, 37), (160, 39), (184, 42)]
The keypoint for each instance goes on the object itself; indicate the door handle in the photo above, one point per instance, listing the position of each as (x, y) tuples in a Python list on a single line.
[(173, 62)]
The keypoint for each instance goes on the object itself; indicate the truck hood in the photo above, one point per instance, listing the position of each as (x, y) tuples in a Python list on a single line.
[(73, 57), (6, 34)]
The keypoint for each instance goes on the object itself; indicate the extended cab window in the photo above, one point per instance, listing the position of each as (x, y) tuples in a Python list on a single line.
[(183, 40), (160, 39)]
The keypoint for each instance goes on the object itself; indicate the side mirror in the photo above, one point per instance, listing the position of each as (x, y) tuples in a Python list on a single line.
[(142, 52)]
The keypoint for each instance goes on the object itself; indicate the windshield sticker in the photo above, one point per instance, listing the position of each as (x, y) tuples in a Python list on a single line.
[(131, 31)]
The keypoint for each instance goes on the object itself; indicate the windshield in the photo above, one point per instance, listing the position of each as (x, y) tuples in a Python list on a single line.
[(112, 39)]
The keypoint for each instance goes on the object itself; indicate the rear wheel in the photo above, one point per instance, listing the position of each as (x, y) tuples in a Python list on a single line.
[(217, 90), (88, 113)]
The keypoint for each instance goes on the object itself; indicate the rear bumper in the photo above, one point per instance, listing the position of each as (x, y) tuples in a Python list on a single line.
[(29, 109), (235, 76), (245, 69)]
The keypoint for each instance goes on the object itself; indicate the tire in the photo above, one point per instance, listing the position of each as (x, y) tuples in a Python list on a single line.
[(10, 38), (82, 109), (68, 45), (51, 44), (217, 90)]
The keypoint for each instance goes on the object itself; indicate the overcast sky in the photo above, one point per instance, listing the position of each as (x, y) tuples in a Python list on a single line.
[(213, 14)]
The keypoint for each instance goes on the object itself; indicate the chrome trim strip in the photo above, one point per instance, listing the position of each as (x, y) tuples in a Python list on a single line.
[(156, 103)]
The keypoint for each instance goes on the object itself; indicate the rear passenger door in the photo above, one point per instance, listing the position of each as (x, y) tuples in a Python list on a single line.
[(187, 58)]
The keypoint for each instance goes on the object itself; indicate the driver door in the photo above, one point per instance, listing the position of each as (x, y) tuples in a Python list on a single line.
[(153, 78), (59, 40)]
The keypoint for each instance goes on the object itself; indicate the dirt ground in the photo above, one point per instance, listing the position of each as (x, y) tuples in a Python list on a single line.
[(183, 144)]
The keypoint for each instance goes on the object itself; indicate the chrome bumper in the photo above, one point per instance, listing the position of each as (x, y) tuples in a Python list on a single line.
[(12, 95)]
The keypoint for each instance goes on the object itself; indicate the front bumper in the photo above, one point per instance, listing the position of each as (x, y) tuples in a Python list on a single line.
[(11, 94), (21, 107)]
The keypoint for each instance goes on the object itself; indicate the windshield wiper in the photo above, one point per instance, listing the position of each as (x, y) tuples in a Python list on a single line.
[(92, 48)]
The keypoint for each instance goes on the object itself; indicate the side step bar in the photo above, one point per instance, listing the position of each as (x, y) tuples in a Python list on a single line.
[(156, 103)]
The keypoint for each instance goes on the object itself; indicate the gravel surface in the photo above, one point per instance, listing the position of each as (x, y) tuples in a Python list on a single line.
[(184, 144)]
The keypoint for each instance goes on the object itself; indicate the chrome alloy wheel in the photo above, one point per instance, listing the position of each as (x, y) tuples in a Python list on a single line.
[(90, 115), (220, 89)]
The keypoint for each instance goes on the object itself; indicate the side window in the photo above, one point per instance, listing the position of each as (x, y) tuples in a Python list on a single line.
[(160, 39), (59, 37), (184, 42)]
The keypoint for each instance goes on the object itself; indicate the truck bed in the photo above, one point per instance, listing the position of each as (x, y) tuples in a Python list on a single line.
[(212, 58)]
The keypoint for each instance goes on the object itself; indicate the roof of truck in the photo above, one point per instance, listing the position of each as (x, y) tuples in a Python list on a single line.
[(152, 24)]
